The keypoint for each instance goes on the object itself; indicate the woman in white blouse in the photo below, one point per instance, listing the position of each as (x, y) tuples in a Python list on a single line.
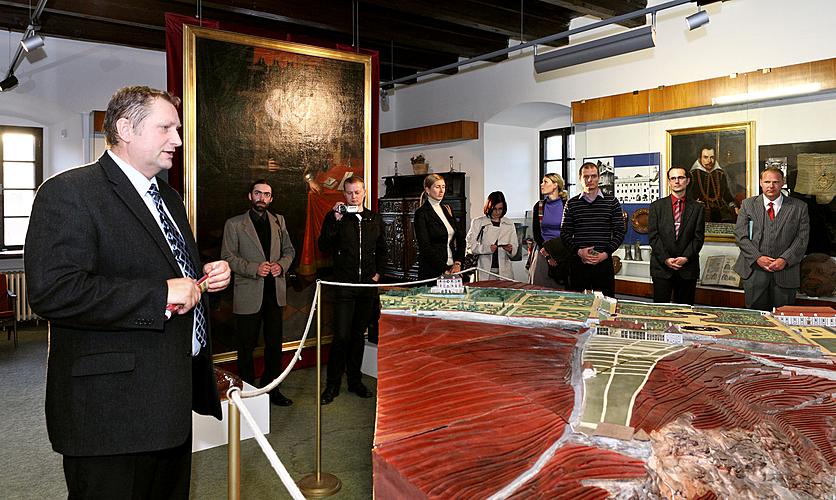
[(494, 238), (440, 242)]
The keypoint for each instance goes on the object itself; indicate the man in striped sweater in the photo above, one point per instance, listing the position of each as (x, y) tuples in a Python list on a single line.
[(593, 228)]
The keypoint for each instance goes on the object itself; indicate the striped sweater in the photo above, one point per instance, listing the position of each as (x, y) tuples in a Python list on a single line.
[(599, 224)]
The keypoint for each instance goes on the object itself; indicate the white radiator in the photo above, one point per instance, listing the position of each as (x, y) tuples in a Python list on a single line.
[(17, 284)]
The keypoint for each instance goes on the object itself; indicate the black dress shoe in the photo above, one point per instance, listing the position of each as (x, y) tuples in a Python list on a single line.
[(278, 399), (329, 394), (361, 390)]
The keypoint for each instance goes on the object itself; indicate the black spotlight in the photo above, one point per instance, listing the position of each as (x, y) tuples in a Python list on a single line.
[(9, 83)]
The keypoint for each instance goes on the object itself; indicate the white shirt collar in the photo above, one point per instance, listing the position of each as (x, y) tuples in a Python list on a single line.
[(433, 201), (590, 197), (698, 166), (776, 205), (139, 181)]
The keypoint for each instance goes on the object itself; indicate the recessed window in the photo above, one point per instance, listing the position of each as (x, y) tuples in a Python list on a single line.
[(557, 153), (21, 151)]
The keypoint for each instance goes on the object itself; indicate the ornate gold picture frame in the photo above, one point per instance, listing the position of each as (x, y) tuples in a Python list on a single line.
[(296, 115), (720, 160)]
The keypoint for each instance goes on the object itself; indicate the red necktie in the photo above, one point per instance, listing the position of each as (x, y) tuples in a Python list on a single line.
[(770, 211), (677, 216)]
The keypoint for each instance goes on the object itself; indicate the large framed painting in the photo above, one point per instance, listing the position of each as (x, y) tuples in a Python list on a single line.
[(634, 180), (810, 172), (296, 115), (720, 162)]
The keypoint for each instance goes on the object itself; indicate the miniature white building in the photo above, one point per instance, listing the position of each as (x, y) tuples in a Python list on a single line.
[(805, 315), (638, 331), (450, 285)]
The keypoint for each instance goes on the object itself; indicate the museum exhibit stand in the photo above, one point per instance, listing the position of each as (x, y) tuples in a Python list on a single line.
[(397, 207)]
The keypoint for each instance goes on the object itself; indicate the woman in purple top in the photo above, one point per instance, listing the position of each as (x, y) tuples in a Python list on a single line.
[(547, 218)]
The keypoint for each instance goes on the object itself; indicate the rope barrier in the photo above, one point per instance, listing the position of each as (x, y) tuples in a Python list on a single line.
[(298, 354), (236, 395), (296, 357), (268, 450)]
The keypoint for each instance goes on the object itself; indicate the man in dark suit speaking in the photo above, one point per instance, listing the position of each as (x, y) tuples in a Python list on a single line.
[(676, 228), (109, 257)]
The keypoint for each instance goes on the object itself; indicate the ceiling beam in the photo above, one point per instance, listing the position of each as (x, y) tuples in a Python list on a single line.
[(603, 9), (499, 18)]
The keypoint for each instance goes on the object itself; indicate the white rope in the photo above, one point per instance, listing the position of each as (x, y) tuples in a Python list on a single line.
[(296, 357), (411, 283), (278, 466), (236, 396)]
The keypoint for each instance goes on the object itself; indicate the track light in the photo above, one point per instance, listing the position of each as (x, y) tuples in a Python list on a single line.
[(697, 19), (622, 43), (384, 99), (9, 83), (32, 42)]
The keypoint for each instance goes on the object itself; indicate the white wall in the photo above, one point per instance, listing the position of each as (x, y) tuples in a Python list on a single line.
[(64, 82), (72, 78), (743, 35), (511, 157)]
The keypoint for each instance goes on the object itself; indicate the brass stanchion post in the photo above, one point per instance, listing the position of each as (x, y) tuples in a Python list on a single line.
[(319, 484), (234, 453)]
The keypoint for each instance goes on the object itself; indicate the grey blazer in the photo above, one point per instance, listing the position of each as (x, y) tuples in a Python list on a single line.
[(790, 238), (242, 249)]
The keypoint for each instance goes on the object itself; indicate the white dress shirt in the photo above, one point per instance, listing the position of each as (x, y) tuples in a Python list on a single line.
[(436, 204), (776, 205), (142, 184)]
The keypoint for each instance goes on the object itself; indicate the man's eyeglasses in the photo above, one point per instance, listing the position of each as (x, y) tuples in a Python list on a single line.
[(679, 178)]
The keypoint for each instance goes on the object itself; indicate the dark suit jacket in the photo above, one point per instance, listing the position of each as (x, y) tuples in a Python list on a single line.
[(665, 244), (120, 379), (431, 236), (789, 237), (242, 249)]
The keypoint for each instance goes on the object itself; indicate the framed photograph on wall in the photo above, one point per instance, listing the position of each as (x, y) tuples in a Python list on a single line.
[(634, 180), (720, 162), (810, 173), (296, 115)]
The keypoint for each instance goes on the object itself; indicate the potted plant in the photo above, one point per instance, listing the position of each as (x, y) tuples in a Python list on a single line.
[(419, 164)]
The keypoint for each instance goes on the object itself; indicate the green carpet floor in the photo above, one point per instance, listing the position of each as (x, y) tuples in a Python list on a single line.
[(29, 469)]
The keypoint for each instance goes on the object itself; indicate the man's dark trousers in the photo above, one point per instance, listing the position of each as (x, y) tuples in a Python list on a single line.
[(352, 313)]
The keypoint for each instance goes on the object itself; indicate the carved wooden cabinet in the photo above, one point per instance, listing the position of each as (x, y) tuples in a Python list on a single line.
[(397, 207)]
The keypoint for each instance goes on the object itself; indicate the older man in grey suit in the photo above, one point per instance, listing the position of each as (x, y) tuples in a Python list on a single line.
[(772, 232), (258, 248)]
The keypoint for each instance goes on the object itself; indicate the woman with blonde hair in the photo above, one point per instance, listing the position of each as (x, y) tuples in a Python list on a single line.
[(440, 242), (548, 262), (493, 238)]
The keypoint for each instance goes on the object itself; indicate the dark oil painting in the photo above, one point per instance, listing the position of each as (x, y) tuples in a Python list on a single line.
[(295, 115), (719, 160)]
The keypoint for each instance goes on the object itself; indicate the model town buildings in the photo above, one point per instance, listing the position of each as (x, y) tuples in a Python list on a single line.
[(805, 315), (449, 285), (638, 331)]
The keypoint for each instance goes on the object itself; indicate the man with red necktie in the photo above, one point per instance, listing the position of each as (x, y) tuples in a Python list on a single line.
[(772, 232), (676, 228)]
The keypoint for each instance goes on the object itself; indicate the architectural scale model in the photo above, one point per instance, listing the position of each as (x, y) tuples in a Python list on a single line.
[(637, 331), (806, 315), (553, 410), (448, 285)]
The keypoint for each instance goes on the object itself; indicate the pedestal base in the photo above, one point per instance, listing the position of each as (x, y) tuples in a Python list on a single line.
[(327, 485)]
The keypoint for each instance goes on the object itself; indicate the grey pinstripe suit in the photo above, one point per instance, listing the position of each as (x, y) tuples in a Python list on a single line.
[(785, 237)]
